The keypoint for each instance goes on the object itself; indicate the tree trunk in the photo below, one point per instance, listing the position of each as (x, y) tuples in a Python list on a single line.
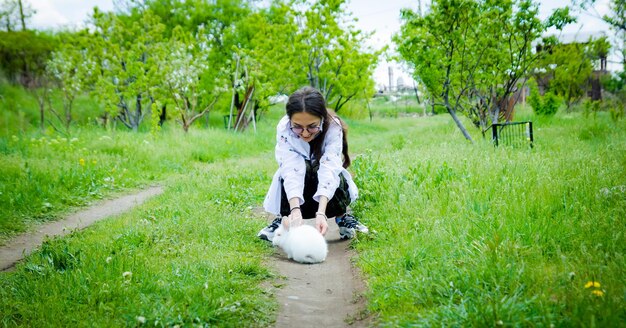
[(459, 124), (241, 122), (163, 115), (22, 18), (42, 109)]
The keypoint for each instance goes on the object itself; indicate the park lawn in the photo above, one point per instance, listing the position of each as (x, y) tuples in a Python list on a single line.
[(462, 234)]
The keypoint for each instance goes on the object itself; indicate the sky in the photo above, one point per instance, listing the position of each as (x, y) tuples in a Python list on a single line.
[(379, 16)]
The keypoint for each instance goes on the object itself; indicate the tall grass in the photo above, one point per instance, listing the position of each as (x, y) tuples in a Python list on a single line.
[(472, 235)]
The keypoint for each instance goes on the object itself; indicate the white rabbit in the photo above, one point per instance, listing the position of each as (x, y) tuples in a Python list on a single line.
[(303, 243)]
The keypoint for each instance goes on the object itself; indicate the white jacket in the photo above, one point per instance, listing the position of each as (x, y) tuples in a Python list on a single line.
[(291, 152)]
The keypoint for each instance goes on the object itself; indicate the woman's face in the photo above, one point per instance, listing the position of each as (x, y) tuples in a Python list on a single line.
[(306, 125)]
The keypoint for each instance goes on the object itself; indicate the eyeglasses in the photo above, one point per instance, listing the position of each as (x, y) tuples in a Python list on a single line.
[(310, 129)]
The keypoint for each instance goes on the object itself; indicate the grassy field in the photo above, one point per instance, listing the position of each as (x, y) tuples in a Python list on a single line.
[(463, 234), (471, 235)]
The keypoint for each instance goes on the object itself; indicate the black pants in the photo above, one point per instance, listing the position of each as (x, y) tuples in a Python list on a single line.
[(336, 206)]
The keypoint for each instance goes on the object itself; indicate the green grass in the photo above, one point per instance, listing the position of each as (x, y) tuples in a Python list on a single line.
[(187, 257), (384, 107), (462, 234), (180, 259), (472, 235), (41, 177)]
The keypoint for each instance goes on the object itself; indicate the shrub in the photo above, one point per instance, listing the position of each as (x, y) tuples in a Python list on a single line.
[(546, 105)]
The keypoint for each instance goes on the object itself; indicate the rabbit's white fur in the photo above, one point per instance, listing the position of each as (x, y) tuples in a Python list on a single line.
[(303, 243)]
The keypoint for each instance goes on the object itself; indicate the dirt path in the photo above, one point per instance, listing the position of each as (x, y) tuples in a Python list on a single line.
[(320, 295), (22, 245)]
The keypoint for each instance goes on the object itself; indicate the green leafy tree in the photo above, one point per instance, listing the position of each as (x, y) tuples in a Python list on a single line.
[(440, 47), (128, 73), (472, 55), (270, 55), (567, 69), (273, 49), (571, 72), (221, 22), (506, 37), (259, 62), (332, 52)]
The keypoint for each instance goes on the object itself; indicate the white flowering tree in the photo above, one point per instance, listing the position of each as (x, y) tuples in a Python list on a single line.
[(190, 87), (68, 68)]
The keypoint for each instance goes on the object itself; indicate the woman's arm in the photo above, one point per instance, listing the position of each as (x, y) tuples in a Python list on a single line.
[(295, 215), (290, 162), (320, 216), (331, 164)]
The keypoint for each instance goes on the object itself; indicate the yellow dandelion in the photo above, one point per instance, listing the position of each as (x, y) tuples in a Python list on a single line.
[(598, 293), (81, 162), (592, 284)]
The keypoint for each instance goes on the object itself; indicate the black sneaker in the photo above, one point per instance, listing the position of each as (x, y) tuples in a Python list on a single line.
[(267, 233), (349, 225)]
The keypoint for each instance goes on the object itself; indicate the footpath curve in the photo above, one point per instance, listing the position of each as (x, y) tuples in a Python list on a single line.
[(22, 245)]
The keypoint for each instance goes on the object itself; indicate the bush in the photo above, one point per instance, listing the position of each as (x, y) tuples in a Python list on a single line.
[(23, 55), (546, 105), (551, 104)]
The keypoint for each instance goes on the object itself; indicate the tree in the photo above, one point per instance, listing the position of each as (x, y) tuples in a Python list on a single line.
[(567, 69), (472, 55), (333, 53), (221, 24), (13, 12), (69, 68), (509, 29), (439, 47), (184, 69), (271, 52), (23, 56), (127, 57), (616, 18), (272, 49)]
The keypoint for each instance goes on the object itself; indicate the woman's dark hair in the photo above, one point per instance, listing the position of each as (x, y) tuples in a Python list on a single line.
[(311, 100)]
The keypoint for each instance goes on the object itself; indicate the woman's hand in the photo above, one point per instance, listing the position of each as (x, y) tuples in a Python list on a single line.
[(294, 219), (320, 223)]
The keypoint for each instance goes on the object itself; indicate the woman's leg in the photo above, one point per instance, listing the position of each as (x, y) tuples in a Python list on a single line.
[(310, 206), (336, 206)]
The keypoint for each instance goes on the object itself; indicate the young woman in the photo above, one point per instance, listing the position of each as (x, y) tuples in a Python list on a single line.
[(312, 180)]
